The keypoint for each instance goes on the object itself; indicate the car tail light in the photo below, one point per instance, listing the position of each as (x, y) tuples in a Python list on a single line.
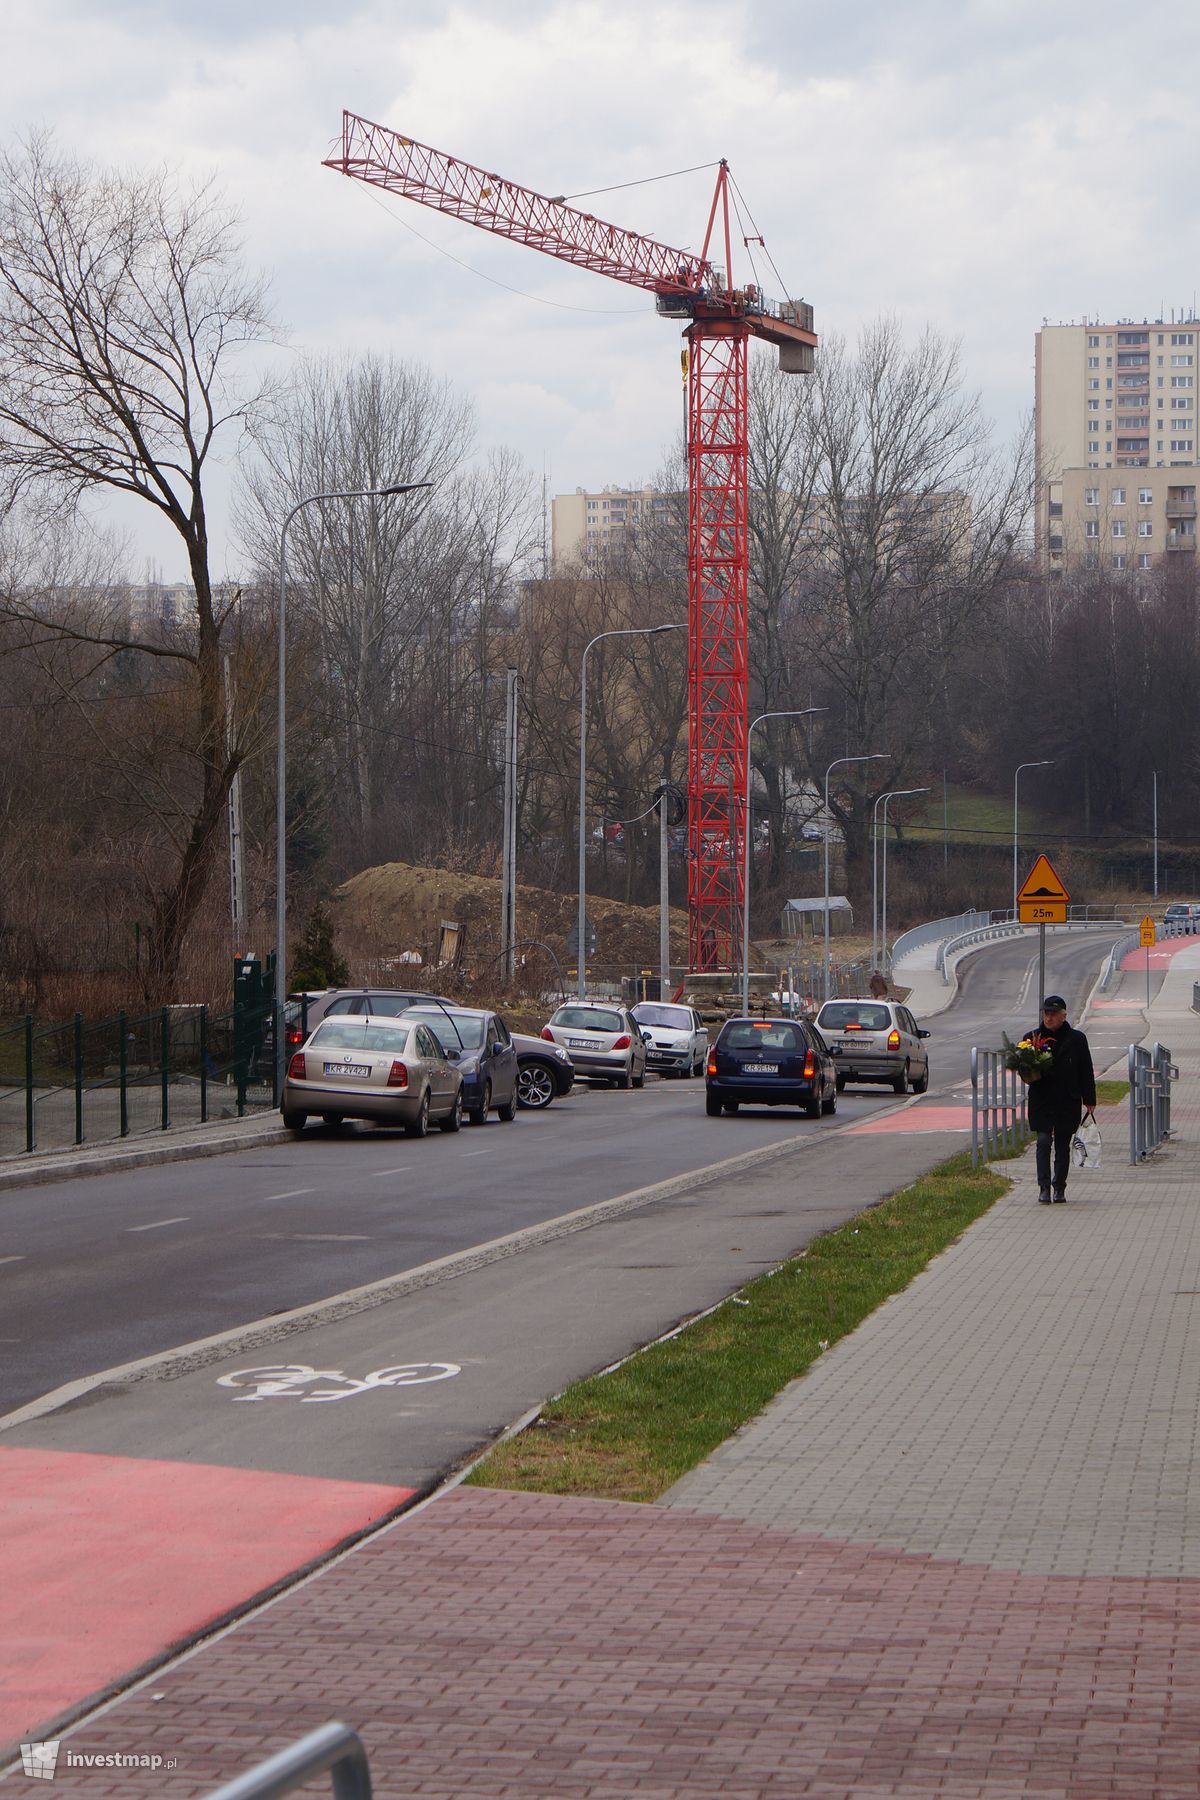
[(623, 1043), (547, 1034), (712, 1064), (296, 1068), (810, 1066), (295, 1035), (893, 1039), (398, 1076)]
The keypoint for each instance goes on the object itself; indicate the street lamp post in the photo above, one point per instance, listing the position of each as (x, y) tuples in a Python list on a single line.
[(896, 794), (786, 713), (581, 915), (1154, 772), (1045, 763), (407, 487), (872, 756)]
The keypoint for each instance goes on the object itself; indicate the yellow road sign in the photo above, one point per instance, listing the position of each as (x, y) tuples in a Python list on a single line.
[(1147, 933), (1042, 900)]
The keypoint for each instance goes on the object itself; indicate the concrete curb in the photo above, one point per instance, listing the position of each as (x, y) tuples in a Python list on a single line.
[(103, 1159)]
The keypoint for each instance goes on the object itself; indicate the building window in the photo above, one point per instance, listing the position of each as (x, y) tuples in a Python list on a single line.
[(1180, 337), (1145, 496), (1091, 529), (1145, 527), (1118, 496), (1093, 362), (1118, 528), (1091, 496), (1118, 562), (1094, 445), (1183, 381), (1093, 343), (1093, 381), (1181, 444), (1093, 406), (1145, 562), (1133, 337), (1181, 360)]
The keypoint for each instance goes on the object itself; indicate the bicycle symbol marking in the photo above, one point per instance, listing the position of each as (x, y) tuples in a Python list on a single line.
[(295, 1381)]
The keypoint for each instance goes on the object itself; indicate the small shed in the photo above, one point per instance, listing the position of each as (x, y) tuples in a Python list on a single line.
[(806, 918)]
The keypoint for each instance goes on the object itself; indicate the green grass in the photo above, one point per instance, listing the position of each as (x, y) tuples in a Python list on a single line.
[(1111, 1093), (629, 1434), (976, 817)]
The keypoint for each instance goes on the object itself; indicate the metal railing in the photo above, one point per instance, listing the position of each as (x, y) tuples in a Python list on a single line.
[(965, 939), (1116, 957), (1151, 1073), (334, 1747), (1196, 996), (935, 931), (1179, 927), (997, 1107)]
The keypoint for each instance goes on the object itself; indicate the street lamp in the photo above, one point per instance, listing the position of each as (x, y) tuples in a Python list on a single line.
[(787, 713), (1044, 764), (872, 756), (581, 915), (1154, 772), (407, 487), (896, 794)]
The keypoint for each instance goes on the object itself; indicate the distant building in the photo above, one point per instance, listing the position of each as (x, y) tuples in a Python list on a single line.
[(584, 525), (1116, 443)]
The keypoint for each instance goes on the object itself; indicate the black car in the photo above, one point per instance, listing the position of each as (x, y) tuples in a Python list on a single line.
[(545, 1071), (770, 1062)]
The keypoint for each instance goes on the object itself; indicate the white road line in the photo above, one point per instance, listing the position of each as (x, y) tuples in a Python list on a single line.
[(158, 1224), (380, 1173), (317, 1237), (292, 1194), (4, 1259), (468, 1154)]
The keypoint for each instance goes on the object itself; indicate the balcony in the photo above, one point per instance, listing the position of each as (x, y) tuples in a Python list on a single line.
[(1181, 509), (1056, 509), (1181, 540)]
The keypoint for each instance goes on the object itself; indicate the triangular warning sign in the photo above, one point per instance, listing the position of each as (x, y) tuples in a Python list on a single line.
[(1042, 883)]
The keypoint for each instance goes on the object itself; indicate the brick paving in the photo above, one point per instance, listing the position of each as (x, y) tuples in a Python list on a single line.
[(953, 1561)]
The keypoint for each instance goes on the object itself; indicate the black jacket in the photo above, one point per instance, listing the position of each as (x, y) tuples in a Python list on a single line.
[(1070, 1085)]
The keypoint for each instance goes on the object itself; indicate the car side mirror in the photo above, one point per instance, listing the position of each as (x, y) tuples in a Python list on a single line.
[(921, 1032), (646, 1038)]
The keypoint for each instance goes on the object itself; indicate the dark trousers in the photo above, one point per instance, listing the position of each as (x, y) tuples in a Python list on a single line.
[(1056, 1136)]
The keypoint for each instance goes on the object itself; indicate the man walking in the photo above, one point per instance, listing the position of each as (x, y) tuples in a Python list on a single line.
[(1059, 1097)]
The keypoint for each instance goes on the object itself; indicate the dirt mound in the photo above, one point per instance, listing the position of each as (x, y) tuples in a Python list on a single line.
[(390, 916)]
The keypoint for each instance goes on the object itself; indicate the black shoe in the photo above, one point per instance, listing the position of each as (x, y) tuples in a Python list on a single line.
[(1060, 1195), (1043, 1196)]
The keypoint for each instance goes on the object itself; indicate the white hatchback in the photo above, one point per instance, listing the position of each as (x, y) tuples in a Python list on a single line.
[(677, 1037)]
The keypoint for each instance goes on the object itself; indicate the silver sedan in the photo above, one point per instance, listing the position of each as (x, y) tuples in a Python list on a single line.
[(377, 1069)]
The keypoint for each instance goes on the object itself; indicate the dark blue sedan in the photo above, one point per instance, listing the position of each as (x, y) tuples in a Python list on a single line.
[(480, 1046), (770, 1062)]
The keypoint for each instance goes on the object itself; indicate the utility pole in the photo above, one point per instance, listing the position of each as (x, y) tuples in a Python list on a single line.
[(508, 874), (664, 902), (237, 878)]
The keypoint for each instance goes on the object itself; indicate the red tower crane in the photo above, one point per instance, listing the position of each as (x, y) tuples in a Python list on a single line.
[(720, 320)]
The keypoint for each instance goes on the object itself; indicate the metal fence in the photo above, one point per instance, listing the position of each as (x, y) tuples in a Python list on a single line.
[(1151, 1073), (982, 934), (998, 1121), (70, 1082), (935, 931), (334, 1747), (1116, 957)]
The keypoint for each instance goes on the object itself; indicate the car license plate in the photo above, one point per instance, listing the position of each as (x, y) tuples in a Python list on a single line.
[(760, 1068), (347, 1068), (584, 1043)]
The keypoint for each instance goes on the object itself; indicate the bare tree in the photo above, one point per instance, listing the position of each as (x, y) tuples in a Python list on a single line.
[(123, 309)]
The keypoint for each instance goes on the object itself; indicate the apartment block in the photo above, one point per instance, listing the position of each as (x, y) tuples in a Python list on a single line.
[(583, 525), (1116, 443)]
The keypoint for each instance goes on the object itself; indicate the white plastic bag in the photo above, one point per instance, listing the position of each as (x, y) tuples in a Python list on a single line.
[(1086, 1146)]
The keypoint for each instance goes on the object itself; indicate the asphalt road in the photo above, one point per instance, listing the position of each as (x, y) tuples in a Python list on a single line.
[(116, 1268)]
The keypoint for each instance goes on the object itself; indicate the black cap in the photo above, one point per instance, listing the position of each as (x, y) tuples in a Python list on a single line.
[(1054, 1003)]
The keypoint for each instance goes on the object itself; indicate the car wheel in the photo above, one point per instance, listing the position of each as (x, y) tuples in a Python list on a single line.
[(333, 1120), (730, 1106), (922, 1086), (840, 1081), (419, 1127), (535, 1087), (712, 1106), (829, 1107), (453, 1119), (639, 1081), (811, 1109), (624, 1081), (900, 1085), (478, 1114), (294, 1121), (508, 1112)]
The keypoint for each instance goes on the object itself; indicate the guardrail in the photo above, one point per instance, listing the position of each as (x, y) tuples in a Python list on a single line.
[(1116, 957), (981, 935), (1196, 996), (332, 1746), (935, 930), (1179, 928), (1151, 1073), (997, 1107)]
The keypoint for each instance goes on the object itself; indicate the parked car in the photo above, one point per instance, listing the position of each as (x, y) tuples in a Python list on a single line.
[(770, 1062), (480, 1046), (875, 1041), (603, 1040), (1184, 915), (676, 1037), (360, 1002), (545, 1071), (387, 1070)]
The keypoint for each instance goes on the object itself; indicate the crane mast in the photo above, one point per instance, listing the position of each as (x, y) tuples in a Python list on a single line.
[(718, 321)]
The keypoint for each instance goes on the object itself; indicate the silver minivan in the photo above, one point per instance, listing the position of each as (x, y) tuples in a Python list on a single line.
[(875, 1041)]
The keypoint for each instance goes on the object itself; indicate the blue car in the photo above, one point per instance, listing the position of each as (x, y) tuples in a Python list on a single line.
[(480, 1046), (770, 1062)]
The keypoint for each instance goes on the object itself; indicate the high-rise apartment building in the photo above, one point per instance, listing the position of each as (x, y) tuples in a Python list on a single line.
[(584, 525), (1116, 443)]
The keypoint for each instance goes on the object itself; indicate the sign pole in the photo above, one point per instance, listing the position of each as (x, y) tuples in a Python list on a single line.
[(1041, 967), (1148, 937)]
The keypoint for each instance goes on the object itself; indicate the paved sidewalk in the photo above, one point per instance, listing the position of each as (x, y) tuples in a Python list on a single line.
[(953, 1560)]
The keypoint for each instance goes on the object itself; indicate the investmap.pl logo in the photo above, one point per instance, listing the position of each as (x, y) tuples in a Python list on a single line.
[(40, 1761)]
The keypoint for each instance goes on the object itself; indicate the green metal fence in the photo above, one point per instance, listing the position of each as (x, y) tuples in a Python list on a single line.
[(75, 1081)]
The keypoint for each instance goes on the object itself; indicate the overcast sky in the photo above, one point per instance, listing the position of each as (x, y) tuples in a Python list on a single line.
[(975, 164)]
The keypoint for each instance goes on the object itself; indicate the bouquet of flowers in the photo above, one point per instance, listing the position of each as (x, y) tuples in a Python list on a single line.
[(1028, 1058)]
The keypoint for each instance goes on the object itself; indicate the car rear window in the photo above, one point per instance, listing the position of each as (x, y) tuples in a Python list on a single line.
[(676, 1018), (587, 1018), (455, 1031), (359, 1034), (846, 1015), (776, 1036)]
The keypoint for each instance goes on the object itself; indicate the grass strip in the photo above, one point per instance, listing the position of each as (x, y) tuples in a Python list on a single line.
[(1111, 1093), (631, 1433)]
